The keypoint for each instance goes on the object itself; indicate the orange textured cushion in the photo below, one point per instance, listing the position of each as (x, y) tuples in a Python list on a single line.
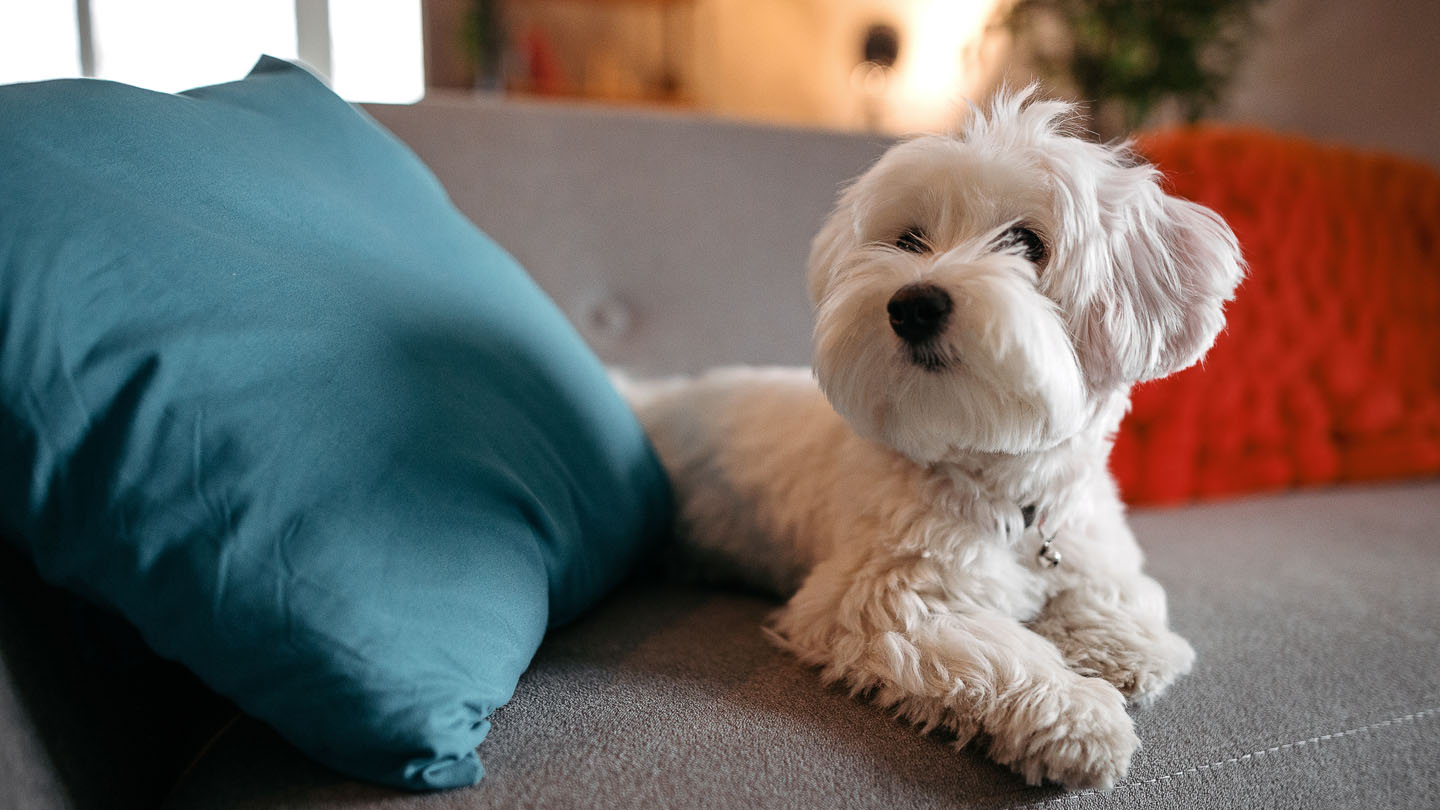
[(1329, 369)]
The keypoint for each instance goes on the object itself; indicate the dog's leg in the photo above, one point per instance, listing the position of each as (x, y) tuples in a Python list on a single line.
[(1104, 614), (1115, 628), (877, 632)]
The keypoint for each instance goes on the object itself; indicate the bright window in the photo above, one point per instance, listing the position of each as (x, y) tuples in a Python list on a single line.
[(38, 40), (369, 50), (376, 50)]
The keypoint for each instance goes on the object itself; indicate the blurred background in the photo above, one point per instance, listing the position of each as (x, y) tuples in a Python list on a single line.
[(1362, 73)]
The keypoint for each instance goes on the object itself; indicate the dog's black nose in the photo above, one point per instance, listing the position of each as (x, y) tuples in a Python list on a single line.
[(918, 312)]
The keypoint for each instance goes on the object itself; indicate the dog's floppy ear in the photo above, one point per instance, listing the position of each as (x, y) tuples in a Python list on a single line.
[(1173, 265)]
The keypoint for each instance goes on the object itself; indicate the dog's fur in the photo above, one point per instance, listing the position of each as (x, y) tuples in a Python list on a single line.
[(890, 508)]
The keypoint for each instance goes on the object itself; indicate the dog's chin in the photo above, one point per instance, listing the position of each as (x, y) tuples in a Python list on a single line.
[(933, 358), (932, 404), (943, 401)]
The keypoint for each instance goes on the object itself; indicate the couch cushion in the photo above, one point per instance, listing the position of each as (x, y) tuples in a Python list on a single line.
[(1316, 618), (268, 395)]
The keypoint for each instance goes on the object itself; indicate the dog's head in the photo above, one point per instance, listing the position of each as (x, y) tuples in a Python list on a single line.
[(988, 291)]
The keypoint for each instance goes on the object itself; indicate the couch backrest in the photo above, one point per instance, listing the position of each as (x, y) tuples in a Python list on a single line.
[(674, 243)]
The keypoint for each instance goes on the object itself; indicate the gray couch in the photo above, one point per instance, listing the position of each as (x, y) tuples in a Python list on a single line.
[(676, 244)]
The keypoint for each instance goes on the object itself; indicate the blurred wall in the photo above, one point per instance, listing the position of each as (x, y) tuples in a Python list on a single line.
[(1365, 73)]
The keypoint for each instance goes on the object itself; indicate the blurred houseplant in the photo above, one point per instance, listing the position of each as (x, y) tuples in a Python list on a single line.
[(1131, 59), (483, 33)]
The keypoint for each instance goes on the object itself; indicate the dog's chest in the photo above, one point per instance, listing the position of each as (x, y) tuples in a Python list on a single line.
[(980, 548), (992, 576)]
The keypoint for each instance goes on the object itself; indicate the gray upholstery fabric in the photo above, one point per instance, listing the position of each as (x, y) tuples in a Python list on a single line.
[(26, 769), (1316, 617)]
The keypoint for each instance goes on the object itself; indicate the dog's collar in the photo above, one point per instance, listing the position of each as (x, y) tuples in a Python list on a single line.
[(1049, 557)]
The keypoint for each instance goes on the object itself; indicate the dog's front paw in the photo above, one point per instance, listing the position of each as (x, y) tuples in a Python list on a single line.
[(1140, 662), (1155, 667), (1077, 735), (1139, 655)]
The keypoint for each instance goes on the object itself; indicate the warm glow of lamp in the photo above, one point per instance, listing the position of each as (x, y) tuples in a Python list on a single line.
[(930, 83)]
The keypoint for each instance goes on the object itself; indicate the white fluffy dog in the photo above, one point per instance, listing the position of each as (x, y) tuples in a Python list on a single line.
[(941, 516)]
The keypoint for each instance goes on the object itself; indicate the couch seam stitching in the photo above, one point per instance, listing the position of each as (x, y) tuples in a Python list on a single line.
[(1253, 755)]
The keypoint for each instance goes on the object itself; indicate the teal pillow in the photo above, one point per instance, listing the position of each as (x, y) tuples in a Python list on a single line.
[(269, 396)]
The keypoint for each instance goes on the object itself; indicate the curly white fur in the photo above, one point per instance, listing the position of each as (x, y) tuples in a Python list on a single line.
[(887, 503)]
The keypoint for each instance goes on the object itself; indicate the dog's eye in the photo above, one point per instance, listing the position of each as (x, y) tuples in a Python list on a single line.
[(1024, 241), (913, 241)]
